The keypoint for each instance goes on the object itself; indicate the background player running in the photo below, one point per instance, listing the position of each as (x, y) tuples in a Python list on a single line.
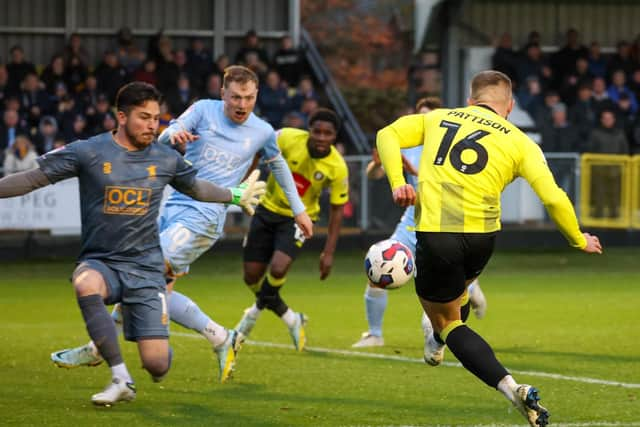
[(274, 241)]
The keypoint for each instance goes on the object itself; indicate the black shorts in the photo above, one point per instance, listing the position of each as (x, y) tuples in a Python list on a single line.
[(269, 232), (445, 261)]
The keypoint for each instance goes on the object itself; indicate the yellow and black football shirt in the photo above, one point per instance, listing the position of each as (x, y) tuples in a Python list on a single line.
[(470, 155), (310, 175)]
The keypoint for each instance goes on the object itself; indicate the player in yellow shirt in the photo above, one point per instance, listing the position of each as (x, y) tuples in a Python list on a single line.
[(470, 154), (274, 240)]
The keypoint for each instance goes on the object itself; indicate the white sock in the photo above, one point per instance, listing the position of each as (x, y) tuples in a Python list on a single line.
[(289, 317), (93, 348), (507, 386), (215, 333), (120, 371), (254, 311)]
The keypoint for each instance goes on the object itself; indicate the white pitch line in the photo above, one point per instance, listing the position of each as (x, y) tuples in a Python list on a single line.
[(449, 364)]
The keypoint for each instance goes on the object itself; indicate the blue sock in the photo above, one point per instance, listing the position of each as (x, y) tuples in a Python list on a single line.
[(375, 301), (185, 312)]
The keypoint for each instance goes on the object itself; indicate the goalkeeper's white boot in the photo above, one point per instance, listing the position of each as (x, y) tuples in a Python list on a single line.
[(369, 340), (477, 300), (86, 355), (246, 324), (118, 390), (526, 400), (226, 353), (297, 331)]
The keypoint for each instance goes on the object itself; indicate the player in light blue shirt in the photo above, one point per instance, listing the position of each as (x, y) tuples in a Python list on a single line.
[(221, 139), (376, 298)]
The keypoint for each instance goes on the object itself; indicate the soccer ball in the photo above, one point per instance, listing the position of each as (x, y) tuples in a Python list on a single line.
[(389, 264)]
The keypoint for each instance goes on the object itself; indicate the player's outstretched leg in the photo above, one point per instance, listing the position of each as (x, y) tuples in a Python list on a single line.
[(85, 355), (375, 302), (477, 299), (225, 343)]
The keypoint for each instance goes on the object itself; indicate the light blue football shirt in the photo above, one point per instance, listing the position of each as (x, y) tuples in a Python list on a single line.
[(222, 154)]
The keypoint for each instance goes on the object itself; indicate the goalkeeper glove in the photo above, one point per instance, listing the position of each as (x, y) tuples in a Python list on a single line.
[(247, 194)]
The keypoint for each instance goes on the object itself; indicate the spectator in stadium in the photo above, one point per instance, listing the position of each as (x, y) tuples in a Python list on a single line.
[(505, 59), (597, 63), (180, 97), (304, 90), (252, 62), (375, 298), (273, 241), (34, 101), (583, 114), (606, 183), (10, 128), (533, 63), (607, 138), (529, 96), (88, 98), (621, 60), (289, 62), (213, 87), (251, 45), (53, 73), (294, 119), (309, 106), (543, 117), (600, 95), (121, 258), (4, 84), (75, 48), (18, 68), (110, 75), (619, 86), (456, 235), (239, 135), (129, 55), (561, 136), (573, 79), (109, 123), (78, 129), (47, 135), (199, 64), (167, 69), (273, 100), (66, 112), (20, 157), (146, 72), (222, 62), (625, 117), (564, 61), (75, 74)]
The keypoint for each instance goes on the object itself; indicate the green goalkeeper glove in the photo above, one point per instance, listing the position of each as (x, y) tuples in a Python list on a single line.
[(247, 194)]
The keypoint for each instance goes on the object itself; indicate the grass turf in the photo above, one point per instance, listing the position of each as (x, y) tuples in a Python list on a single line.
[(562, 313)]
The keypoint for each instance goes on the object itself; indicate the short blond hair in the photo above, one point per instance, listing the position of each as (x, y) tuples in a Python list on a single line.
[(239, 74), (490, 86)]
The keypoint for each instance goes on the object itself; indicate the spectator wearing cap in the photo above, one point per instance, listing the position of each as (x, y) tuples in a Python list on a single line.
[(583, 114), (45, 138), (18, 68), (250, 45), (618, 87), (21, 156), (288, 62)]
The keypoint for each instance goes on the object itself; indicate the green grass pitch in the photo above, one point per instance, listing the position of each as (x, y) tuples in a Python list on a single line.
[(562, 313)]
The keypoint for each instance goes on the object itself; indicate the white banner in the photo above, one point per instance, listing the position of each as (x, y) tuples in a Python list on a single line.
[(55, 207)]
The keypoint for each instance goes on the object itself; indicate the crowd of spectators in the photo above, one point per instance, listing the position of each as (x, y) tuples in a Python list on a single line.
[(44, 107), (580, 99)]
